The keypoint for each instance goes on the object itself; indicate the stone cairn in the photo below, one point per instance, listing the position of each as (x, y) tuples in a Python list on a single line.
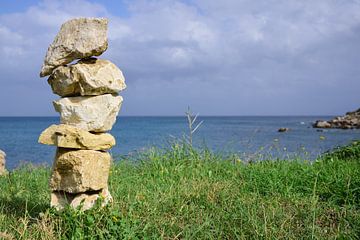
[(88, 108)]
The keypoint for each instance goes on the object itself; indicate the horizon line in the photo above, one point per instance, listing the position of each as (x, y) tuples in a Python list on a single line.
[(276, 115)]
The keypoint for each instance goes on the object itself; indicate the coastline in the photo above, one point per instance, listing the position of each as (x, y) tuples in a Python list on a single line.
[(18, 136)]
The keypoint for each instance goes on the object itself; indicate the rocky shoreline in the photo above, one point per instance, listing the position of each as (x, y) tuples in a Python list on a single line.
[(351, 120)]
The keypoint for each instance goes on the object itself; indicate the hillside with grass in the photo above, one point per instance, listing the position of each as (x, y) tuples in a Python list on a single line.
[(187, 193)]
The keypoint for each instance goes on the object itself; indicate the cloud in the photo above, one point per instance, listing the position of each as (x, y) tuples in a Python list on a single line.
[(221, 57)]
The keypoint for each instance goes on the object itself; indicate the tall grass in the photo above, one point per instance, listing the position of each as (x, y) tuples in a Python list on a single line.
[(188, 193)]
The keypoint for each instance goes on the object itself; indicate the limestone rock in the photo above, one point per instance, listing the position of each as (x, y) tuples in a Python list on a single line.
[(87, 77), (78, 38), (94, 114), (67, 136), (62, 83), (60, 200), (98, 76), (77, 171), (2, 163)]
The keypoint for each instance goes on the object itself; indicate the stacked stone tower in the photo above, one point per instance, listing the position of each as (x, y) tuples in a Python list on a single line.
[(88, 108)]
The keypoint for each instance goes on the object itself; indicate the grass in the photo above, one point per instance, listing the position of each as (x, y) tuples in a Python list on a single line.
[(184, 193)]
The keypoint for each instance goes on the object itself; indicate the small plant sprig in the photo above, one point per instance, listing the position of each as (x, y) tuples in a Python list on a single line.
[(192, 125)]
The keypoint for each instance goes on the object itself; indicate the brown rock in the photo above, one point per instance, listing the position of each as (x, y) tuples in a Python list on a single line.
[(67, 136), (283, 129), (77, 171)]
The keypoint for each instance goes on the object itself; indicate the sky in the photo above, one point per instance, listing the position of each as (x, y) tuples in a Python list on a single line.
[(230, 57)]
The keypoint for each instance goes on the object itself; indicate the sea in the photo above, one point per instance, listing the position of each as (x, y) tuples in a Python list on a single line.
[(248, 137)]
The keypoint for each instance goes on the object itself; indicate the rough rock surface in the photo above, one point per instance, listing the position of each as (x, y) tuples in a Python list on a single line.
[(78, 38), (77, 171), (349, 121), (87, 77), (2, 163), (60, 200), (62, 83), (94, 114), (67, 136)]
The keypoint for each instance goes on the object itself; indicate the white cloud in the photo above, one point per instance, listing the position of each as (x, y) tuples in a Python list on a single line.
[(238, 52)]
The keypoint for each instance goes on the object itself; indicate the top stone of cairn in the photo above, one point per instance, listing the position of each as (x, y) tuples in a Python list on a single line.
[(78, 38)]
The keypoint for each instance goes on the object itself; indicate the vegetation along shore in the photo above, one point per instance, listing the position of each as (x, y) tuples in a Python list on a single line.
[(187, 193)]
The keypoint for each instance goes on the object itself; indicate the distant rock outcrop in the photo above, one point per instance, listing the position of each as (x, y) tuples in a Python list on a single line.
[(283, 129), (351, 120)]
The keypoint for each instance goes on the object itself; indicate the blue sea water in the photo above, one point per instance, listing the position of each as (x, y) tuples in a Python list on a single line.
[(246, 136)]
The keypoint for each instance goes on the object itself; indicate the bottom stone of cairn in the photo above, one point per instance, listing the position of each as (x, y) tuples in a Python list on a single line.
[(77, 171), (84, 201), (79, 178)]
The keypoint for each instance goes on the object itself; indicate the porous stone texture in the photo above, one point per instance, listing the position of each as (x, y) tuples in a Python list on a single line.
[(60, 200), (87, 77), (78, 171), (94, 114), (78, 38), (67, 136), (62, 83), (2, 163)]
